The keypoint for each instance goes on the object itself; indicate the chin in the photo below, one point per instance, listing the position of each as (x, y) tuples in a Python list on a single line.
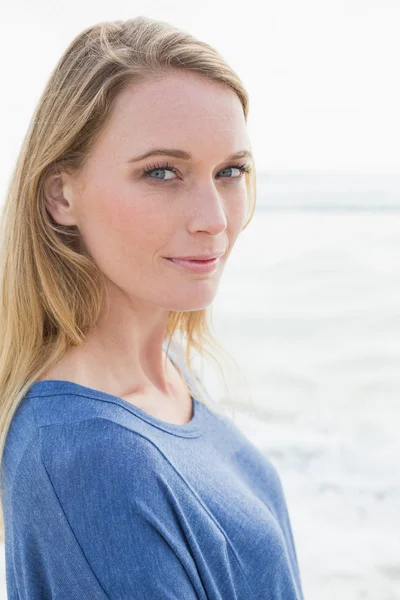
[(200, 302)]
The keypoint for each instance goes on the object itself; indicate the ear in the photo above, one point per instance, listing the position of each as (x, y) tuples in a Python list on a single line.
[(58, 196)]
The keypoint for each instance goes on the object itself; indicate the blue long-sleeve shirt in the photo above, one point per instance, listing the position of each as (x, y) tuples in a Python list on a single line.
[(103, 501)]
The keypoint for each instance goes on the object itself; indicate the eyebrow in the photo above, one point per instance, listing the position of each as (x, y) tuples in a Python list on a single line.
[(184, 155)]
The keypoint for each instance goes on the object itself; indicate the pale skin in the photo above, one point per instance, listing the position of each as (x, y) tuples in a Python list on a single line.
[(129, 224)]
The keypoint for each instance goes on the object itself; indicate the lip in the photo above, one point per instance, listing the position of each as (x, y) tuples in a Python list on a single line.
[(198, 257), (207, 266)]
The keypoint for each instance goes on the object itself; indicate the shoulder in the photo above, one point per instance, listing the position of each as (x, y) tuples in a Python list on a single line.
[(91, 469), (97, 457), (94, 448), (95, 438)]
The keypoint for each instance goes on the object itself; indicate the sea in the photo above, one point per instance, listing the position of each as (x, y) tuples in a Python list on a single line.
[(309, 307)]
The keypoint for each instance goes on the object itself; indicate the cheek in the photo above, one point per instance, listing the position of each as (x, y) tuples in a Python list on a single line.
[(238, 207), (118, 225), (138, 233)]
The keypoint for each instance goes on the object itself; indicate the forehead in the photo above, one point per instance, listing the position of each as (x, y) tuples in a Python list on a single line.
[(182, 109)]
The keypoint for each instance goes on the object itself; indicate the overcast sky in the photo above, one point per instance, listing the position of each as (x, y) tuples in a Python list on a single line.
[(323, 77)]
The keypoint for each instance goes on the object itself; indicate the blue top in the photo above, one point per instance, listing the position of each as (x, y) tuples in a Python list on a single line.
[(103, 501)]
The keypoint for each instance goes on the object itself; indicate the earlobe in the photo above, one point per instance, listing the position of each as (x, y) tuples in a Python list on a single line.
[(56, 203)]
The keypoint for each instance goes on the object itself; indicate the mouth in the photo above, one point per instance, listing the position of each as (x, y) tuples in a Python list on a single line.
[(197, 266), (196, 260)]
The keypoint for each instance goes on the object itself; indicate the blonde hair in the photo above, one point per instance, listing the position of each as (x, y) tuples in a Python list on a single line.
[(51, 293)]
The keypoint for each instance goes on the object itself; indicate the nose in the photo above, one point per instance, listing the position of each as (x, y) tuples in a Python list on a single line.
[(207, 209)]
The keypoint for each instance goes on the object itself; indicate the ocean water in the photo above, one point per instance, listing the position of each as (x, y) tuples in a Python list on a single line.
[(309, 306), (328, 190)]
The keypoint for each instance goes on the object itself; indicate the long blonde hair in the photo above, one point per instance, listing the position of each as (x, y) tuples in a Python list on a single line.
[(51, 293)]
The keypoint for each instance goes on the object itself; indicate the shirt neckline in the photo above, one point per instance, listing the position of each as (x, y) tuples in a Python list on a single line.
[(49, 387)]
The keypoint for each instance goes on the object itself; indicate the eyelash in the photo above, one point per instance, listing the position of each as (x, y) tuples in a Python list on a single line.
[(146, 172)]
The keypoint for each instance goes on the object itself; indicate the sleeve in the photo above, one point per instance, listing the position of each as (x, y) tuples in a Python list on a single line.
[(47, 560), (94, 520)]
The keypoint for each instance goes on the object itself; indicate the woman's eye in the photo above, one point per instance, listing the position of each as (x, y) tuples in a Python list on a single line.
[(158, 169), (241, 168)]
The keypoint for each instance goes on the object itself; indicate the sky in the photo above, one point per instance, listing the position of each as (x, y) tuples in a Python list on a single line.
[(322, 76)]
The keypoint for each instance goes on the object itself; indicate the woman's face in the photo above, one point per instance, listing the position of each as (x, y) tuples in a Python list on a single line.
[(130, 222)]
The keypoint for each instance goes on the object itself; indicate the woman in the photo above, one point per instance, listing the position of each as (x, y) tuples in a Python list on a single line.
[(118, 481)]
